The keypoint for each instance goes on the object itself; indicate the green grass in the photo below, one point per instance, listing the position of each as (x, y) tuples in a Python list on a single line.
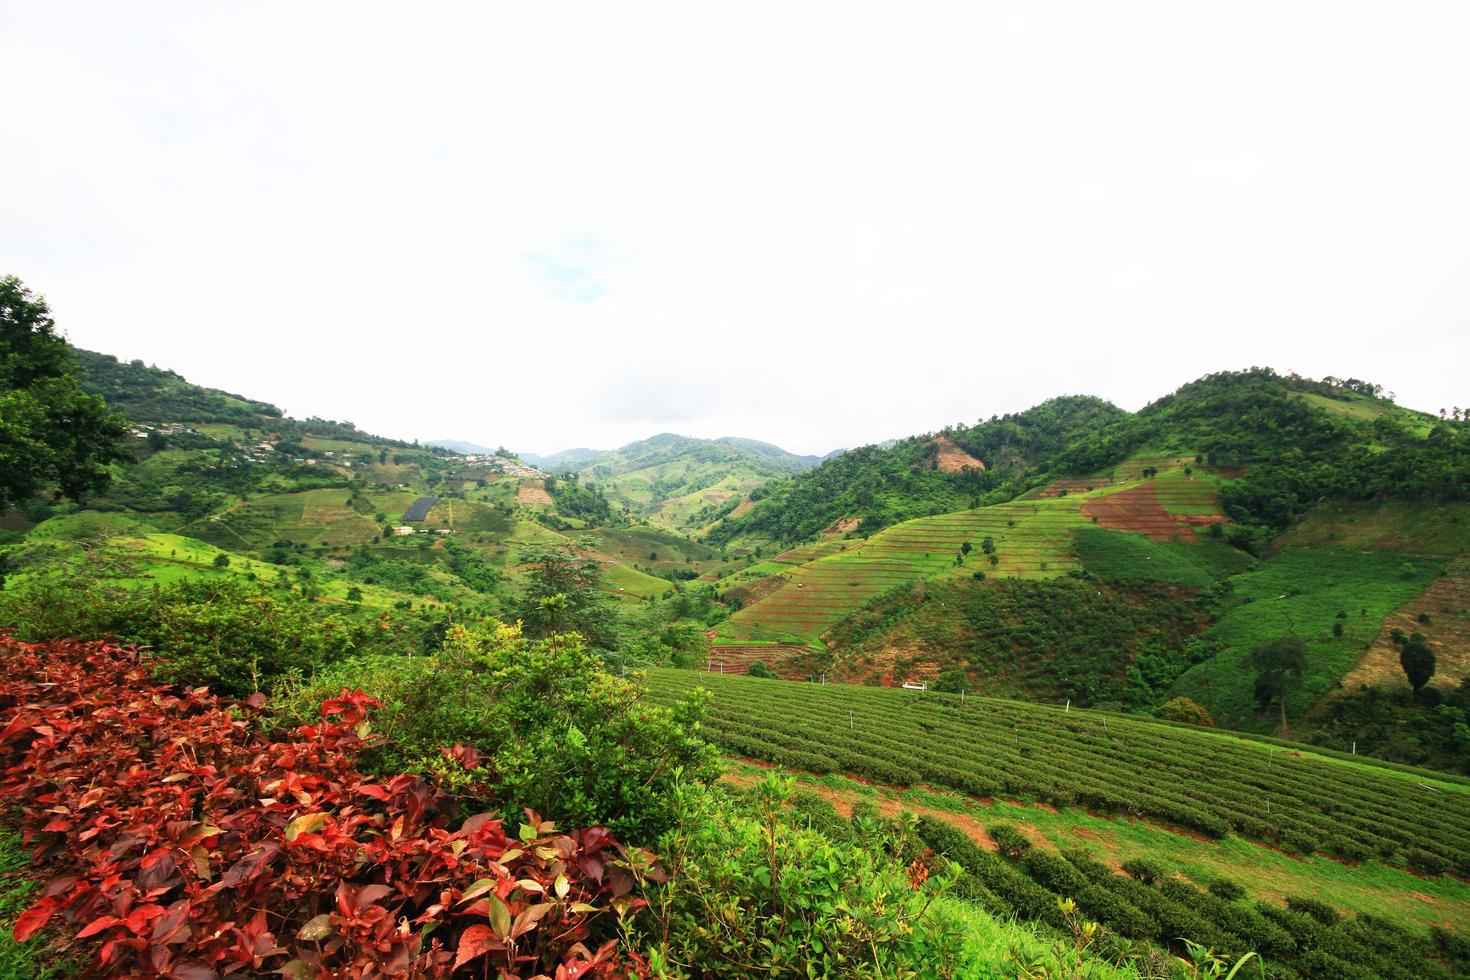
[(1438, 529), (21, 961), (1122, 556), (1300, 591)]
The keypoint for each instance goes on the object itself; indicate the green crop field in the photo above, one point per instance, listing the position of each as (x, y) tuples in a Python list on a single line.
[(1108, 771), (1301, 591), (1122, 556), (1212, 783)]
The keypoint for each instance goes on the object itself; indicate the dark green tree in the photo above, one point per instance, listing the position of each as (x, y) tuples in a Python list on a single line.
[(52, 434), (1417, 659), (1279, 666), (563, 594)]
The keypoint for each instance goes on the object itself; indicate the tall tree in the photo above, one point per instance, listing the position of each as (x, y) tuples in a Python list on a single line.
[(52, 434), (1279, 666), (1417, 659), (563, 595)]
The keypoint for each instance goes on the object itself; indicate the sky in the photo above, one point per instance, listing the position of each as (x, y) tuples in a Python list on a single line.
[(548, 225)]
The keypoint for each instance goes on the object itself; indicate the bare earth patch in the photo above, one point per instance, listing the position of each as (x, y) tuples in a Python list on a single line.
[(953, 459), (533, 492)]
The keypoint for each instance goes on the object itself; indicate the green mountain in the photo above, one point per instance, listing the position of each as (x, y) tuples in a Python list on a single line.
[(679, 482), (1125, 559)]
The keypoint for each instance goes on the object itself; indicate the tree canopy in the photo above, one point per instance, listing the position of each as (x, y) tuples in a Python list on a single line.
[(52, 434)]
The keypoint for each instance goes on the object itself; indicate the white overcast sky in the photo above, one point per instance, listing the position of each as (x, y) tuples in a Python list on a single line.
[(551, 225)]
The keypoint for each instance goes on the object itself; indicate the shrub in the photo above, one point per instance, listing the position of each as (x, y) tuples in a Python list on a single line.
[(227, 634), (1144, 870), (1321, 911), (545, 723), (1185, 710), (752, 894), (188, 845), (758, 668), (1226, 889), (1008, 840)]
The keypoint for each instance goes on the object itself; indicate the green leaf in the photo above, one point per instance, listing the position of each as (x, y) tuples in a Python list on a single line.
[(499, 918), (308, 823), (477, 889), (527, 834), (319, 927)]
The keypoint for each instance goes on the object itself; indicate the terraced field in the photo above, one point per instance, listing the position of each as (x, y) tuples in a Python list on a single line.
[(311, 517), (833, 578)]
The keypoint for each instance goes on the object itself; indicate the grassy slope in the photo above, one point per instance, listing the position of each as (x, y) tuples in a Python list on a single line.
[(1301, 591)]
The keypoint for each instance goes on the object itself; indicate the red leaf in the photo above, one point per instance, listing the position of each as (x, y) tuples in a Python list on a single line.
[(474, 942), (32, 919), (97, 925), (375, 791)]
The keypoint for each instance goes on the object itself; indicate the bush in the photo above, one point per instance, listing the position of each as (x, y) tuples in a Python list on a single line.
[(224, 633), (1185, 710), (1008, 840), (223, 849), (1321, 911), (758, 668), (1145, 870), (752, 894), (539, 718), (1226, 889)]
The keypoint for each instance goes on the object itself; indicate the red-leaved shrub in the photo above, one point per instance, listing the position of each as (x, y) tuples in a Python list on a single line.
[(188, 845)]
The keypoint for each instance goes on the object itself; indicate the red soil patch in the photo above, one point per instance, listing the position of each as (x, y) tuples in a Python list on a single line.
[(844, 525), (1139, 510), (952, 459), (718, 496)]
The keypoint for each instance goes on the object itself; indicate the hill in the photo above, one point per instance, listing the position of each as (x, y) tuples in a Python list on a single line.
[(679, 482), (875, 486)]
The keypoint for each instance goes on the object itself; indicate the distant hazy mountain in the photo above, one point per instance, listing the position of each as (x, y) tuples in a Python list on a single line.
[(460, 446)]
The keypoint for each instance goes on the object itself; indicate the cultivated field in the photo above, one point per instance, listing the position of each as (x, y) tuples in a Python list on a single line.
[(1159, 832), (1033, 538)]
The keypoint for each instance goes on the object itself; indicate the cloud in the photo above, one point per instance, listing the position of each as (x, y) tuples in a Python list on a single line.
[(818, 225)]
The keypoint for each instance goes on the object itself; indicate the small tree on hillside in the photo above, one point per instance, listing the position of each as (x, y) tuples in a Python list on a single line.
[(1417, 659), (1279, 666), (221, 561)]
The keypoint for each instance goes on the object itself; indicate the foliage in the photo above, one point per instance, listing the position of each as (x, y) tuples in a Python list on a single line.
[(21, 960), (577, 499), (1054, 639), (187, 845), (1184, 710), (1209, 782), (1394, 724), (1417, 659), (758, 668), (1279, 665), (544, 724), (562, 594), (52, 433), (227, 633), (751, 894)]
